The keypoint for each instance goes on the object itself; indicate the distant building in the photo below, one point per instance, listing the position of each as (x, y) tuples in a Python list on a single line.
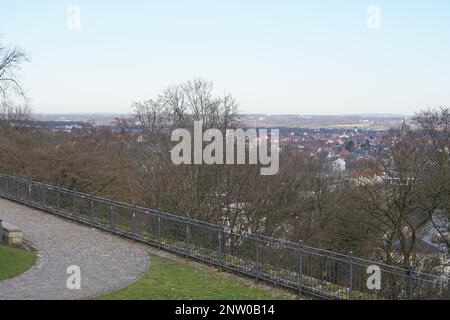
[(339, 165)]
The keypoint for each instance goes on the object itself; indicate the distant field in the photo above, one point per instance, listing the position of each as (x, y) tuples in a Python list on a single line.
[(371, 122), (14, 261), (167, 279), (374, 122)]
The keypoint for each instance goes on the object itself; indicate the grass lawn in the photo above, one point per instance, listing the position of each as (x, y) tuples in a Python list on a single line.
[(167, 279), (14, 261)]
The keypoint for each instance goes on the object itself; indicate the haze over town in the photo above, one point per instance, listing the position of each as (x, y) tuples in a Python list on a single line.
[(288, 57)]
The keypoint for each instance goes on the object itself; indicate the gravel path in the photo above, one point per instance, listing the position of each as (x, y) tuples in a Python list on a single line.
[(106, 262)]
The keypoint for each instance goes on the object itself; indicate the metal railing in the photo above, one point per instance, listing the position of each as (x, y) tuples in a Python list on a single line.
[(1, 231), (308, 270)]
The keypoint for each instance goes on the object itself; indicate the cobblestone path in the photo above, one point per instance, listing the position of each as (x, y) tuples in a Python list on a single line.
[(106, 262)]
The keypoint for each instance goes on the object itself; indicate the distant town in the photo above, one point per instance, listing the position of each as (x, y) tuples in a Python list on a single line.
[(349, 142)]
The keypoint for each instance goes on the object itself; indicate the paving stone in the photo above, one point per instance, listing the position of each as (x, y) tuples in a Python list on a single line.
[(107, 262)]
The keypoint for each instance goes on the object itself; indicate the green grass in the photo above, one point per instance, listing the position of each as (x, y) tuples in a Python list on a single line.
[(14, 261), (166, 279)]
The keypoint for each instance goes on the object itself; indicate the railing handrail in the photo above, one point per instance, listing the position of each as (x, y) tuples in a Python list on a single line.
[(221, 228)]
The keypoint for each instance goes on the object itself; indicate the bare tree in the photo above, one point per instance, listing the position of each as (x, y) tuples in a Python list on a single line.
[(10, 62), (393, 205), (416, 189), (14, 109), (201, 191), (435, 199)]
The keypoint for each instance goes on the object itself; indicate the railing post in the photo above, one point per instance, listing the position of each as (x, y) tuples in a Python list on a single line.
[(257, 258), (1, 232), (29, 193), (300, 267), (58, 205), (74, 206), (43, 195), (92, 213), (221, 242), (411, 283), (7, 186), (188, 235), (17, 196), (134, 226), (111, 218), (159, 230), (350, 276)]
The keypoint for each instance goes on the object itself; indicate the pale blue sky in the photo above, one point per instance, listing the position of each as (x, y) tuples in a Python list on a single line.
[(303, 57)]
